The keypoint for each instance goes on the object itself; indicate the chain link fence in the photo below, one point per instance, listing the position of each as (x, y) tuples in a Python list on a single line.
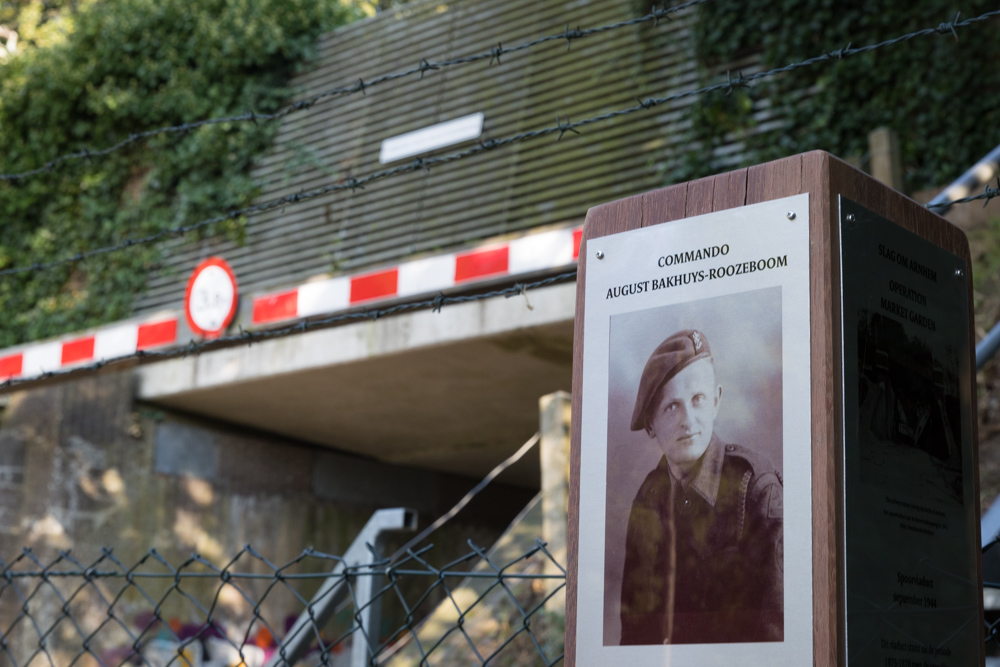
[(317, 609)]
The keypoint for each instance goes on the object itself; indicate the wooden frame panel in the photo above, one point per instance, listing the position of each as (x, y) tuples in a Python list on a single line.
[(825, 178)]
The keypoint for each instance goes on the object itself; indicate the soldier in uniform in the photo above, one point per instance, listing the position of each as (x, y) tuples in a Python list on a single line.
[(703, 552)]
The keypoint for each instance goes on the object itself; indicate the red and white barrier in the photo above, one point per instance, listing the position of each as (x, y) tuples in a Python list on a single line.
[(120, 340), (534, 252)]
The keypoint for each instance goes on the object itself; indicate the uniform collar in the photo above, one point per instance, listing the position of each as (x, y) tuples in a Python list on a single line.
[(706, 480)]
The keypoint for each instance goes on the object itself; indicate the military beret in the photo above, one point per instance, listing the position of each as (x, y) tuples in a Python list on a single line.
[(668, 359)]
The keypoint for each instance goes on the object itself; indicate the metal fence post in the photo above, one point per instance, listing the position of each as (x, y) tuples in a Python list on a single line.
[(554, 414), (307, 627), (367, 615)]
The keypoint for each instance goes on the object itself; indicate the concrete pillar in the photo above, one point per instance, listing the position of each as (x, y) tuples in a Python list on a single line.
[(554, 413), (886, 163)]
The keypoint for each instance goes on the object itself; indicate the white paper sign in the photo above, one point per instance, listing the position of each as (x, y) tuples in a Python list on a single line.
[(695, 521)]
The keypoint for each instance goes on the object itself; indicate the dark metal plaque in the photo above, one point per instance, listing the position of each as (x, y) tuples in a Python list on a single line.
[(910, 522)]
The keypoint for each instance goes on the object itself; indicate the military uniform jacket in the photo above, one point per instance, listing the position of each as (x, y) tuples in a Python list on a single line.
[(703, 561)]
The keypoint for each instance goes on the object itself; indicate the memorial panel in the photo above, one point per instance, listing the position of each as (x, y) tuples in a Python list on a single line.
[(910, 521), (695, 513)]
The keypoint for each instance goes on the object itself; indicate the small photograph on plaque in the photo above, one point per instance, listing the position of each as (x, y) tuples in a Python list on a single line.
[(694, 478), (910, 408)]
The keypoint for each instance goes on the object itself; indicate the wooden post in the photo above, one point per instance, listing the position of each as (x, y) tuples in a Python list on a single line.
[(555, 413), (886, 163), (833, 188)]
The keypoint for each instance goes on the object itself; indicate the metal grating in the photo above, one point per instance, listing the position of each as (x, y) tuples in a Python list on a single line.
[(531, 184)]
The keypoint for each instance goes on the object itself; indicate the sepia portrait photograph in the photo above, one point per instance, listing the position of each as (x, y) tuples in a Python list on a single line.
[(694, 529)]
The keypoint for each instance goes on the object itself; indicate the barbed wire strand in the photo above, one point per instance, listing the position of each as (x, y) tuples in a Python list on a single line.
[(560, 129), (358, 86), (249, 337), (987, 194)]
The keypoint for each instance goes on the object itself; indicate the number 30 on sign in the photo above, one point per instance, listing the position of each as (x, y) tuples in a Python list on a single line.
[(211, 298)]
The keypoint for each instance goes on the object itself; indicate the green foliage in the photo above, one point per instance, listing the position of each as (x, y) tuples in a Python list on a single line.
[(128, 66), (984, 243), (939, 94), (29, 23)]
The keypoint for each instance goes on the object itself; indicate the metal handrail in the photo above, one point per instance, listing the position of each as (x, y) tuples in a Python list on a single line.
[(974, 177), (978, 174), (988, 346)]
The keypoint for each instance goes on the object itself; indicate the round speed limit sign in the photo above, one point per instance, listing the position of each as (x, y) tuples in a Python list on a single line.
[(210, 300)]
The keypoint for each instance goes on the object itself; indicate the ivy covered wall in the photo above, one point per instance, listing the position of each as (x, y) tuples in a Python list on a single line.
[(940, 94), (98, 71), (86, 74)]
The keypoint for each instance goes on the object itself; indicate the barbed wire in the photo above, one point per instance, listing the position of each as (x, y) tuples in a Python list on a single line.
[(358, 86), (560, 129), (987, 194), (249, 337), (155, 614)]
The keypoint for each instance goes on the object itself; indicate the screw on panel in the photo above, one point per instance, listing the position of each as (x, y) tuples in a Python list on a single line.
[(852, 218), (600, 254), (959, 273), (790, 215)]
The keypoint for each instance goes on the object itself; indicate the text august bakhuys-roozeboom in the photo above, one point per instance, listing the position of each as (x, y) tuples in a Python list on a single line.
[(675, 279)]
